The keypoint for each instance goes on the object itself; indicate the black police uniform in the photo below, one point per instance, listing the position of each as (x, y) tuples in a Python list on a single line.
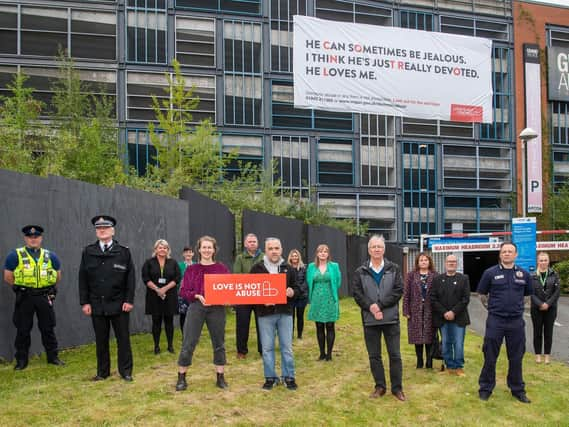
[(506, 288), (106, 281)]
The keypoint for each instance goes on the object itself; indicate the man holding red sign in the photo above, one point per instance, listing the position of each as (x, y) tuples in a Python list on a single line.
[(276, 318)]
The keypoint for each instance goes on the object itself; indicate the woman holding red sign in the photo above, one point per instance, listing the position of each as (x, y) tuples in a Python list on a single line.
[(199, 312), (324, 280)]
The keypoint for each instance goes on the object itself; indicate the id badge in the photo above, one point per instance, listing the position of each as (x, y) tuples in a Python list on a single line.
[(162, 281)]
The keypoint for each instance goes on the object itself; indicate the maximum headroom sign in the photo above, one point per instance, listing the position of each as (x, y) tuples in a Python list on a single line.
[(393, 71)]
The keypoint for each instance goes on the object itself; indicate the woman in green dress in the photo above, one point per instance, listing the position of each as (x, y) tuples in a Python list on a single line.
[(324, 280)]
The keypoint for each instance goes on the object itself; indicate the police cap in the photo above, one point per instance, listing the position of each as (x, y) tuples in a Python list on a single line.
[(103, 221), (32, 230)]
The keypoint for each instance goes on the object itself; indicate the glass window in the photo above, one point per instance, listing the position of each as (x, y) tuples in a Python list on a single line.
[(498, 31), (249, 7), (140, 153), (285, 115), (416, 20), (41, 79), (249, 149), (195, 42), (281, 14), (93, 35), (419, 189), (142, 86), (9, 30), (477, 214), (43, 31), (349, 11), (291, 155), (377, 150), (477, 168), (501, 128), (243, 73), (335, 161), (146, 34)]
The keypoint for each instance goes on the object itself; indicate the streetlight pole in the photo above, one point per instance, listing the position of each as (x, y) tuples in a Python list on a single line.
[(526, 135)]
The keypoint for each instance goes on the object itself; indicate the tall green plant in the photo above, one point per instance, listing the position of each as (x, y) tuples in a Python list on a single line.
[(185, 155), (85, 144), (22, 139)]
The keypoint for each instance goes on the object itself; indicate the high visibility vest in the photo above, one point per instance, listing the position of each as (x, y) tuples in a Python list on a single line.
[(32, 274)]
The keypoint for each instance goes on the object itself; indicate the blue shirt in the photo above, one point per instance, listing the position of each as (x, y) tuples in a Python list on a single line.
[(12, 259), (506, 288)]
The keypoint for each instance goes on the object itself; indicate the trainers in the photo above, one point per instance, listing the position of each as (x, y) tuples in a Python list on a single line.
[(290, 383), (270, 383)]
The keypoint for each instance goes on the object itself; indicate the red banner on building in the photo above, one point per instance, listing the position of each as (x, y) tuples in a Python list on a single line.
[(238, 289)]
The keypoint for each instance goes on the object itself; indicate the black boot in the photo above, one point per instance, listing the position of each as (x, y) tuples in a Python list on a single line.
[(419, 353), (181, 384), (221, 381), (170, 348), (429, 355)]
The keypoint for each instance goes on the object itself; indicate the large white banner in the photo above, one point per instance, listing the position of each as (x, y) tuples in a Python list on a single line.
[(391, 71)]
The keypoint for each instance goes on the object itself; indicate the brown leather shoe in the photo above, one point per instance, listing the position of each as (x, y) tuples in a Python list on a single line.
[(241, 356), (399, 395), (378, 392), (460, 372)]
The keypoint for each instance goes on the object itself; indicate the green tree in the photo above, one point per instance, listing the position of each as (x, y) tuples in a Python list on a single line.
[(22, 138), (85, 144)]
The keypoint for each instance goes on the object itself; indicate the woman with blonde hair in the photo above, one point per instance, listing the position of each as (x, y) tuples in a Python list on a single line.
[(324, 280), (298, 271), (160, 274), (546, 289)]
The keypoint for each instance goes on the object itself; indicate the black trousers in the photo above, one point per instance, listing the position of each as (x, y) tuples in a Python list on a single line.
[(243, 320), (513, 331), (157, 328), (102, 326), (26, 306), (372, 336), (543, 322)]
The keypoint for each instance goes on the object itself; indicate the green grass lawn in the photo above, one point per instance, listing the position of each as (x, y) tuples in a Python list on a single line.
[(329, 393)]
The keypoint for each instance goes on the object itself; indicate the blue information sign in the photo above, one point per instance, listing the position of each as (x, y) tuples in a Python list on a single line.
[(524, 236)]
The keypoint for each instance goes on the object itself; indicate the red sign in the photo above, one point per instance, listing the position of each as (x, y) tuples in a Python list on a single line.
[(465, 113), (236, 289)]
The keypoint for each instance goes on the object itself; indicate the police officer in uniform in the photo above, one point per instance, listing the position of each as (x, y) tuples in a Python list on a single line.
[(506, 284), (106, 294), (33, 273)]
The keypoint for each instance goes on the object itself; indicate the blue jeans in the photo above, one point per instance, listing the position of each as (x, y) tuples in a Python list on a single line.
[(269, 326), (453, 345)]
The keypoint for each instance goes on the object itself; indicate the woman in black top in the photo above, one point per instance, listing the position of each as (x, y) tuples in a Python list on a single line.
[(160, 275), (546, 291), (299, 272)]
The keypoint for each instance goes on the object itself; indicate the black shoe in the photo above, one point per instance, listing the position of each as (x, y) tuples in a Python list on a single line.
[(522, 398), (290, 383), (419, 363), (328, 357), (270, 383), (221, 381), (20, 365), (127, 378), (170, 349), (56, 361), (484, 395), (156, 350), (429, 364), (322, 357), (181, 384), (98, 378)]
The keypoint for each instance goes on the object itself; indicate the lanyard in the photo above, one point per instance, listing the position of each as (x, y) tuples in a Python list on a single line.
[(542, 279)]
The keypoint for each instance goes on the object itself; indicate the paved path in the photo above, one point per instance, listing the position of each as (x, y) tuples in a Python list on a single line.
[(560, 350)]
